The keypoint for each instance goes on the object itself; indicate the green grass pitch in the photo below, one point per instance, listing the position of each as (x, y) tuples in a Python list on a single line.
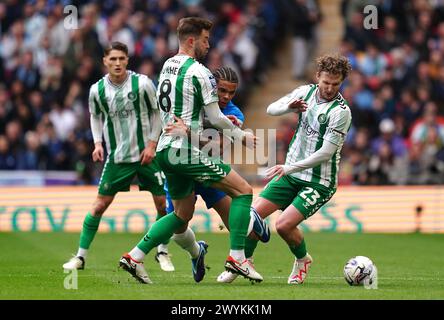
[(410, 267)]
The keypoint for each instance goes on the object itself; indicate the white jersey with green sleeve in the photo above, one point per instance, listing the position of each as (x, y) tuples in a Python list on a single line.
[(185, 87), (323, 120), (125, 110)]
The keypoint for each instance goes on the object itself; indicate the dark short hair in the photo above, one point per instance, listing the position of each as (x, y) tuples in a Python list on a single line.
[(227, 74), (115, 45), (192, 26)]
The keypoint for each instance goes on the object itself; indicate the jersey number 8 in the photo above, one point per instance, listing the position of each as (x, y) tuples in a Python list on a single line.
[(164, 96)]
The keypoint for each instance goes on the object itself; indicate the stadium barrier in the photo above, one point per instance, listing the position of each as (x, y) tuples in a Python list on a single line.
[(352, 209)]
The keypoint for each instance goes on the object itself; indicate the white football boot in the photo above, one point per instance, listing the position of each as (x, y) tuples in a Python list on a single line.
[(300, 270), (245, 269), (75, 263), (165, 262), (229, 277), (135, 268)]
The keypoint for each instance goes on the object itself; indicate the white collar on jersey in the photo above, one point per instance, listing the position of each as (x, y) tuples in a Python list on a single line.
[(115, 85), (320, 100)]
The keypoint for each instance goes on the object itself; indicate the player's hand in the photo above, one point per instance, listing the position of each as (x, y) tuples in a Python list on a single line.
[(177, 128), (148, 154), (234, 120), (298, 105), (273, 171), (250, 140), (97, 154)]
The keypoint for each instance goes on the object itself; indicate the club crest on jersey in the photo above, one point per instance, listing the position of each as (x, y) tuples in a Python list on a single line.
[(132, 96), (322, 118)]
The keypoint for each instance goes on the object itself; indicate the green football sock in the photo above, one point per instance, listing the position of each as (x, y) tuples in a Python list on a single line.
[(89, 230), (250, 246), (299, 251), (159, 216), (239, 220), (160, 231)]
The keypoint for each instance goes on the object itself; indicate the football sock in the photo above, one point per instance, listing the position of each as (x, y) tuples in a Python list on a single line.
[(162, 248), (137, 254), (160, 231), (166, 242), (238, 220), (299, 251), (238, 255), (250, 246), (89, 230), (82, 253), (187, 241)]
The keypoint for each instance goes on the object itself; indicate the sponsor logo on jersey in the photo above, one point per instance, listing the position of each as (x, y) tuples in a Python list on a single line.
[(125, 113), (213, 82), (309, 131)]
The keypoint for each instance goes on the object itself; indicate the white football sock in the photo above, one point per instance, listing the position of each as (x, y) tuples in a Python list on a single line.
[(187, 241), (238, 255), (82, 253), (137, 254), (162, 248)]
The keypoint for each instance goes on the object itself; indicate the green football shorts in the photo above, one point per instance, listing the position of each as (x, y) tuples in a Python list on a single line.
[(118, 177), (183, 167), (305, 196)]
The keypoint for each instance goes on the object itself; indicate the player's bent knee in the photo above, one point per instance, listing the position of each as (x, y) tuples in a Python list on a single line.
[(283, 227), (160, 206)]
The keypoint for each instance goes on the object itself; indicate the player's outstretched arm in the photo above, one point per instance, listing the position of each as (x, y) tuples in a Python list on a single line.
[(219, 121), (287, 105), (325, 153)]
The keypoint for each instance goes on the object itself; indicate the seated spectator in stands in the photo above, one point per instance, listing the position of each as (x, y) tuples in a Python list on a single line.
[(429, 130), (426, 145), (27, 72), (8, 161), (355, 33), (390, 37), (388, 136), (385, 168), (438, 85), (408, 106), (372, 63), (360, 155), (362, 97), (33, 156)]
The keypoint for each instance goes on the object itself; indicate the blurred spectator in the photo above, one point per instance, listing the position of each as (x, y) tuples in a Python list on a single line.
[(427, 144), (389, 137), (8, 161), (304, 17), (33, 156), (46, 71), (398, 74), (385, 168), (27, 72)]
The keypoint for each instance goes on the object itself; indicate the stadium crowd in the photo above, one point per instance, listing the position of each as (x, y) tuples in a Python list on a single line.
[(396, 94), (395, 91), (46, 69)]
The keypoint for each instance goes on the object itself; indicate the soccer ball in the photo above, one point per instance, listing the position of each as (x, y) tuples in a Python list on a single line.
[(360, 270)]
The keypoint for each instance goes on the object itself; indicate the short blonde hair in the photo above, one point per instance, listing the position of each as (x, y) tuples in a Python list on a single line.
[(334, 64)]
